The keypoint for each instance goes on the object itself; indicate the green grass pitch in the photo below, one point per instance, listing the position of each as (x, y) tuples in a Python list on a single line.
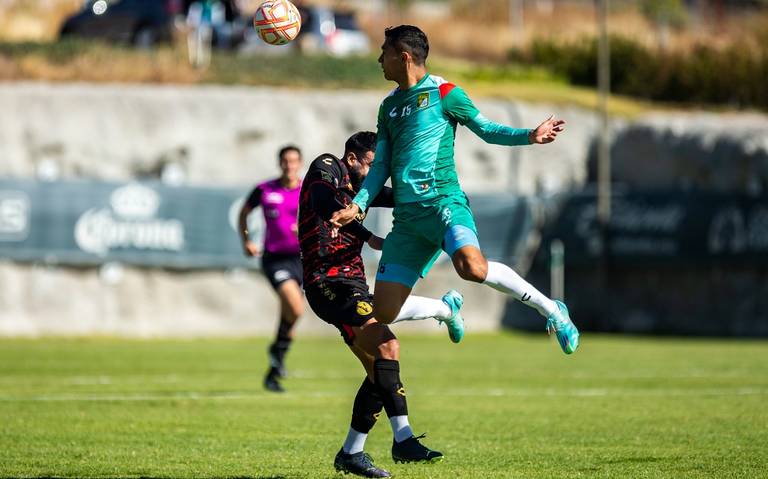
[(497, 406)]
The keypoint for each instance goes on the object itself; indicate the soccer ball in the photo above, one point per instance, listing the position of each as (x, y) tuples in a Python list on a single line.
[(277, 21)]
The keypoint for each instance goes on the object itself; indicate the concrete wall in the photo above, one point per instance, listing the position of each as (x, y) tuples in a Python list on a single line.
[(39, 300), (230, 135), (703, 151)]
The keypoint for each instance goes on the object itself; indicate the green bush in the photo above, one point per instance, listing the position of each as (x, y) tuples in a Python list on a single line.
[(734, 75)]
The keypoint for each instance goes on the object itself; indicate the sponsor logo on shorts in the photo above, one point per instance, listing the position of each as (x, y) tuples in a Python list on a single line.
[(446, 215), (328, 293), (364, 308), (525, 297), (401, 391), (281, 275)]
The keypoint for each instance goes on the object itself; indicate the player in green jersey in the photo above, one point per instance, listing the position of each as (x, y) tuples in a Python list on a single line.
[(416, 129)]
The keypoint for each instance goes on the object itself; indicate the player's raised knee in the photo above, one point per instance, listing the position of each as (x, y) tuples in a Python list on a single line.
[(389, 349), (474, 271)]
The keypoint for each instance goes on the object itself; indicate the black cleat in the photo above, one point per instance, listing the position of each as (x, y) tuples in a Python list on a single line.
[(272, 384), (276, 363), (360, 464), (411, 450)]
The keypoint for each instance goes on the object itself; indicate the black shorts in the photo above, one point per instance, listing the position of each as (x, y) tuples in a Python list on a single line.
[(343, 303), (279, 268)]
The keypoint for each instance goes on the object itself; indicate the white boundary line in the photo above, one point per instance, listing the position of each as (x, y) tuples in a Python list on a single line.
[(243, 395)]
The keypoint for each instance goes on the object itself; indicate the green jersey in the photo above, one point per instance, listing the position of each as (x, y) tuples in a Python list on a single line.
[(416, 131)]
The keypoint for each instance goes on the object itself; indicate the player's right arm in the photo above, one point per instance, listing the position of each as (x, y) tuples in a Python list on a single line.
[(253, 201)]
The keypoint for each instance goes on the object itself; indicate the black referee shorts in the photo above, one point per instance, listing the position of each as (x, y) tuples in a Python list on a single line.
[(279, 268), (342, 303)]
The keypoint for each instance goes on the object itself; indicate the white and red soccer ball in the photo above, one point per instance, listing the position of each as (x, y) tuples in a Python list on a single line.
[(277, 22)]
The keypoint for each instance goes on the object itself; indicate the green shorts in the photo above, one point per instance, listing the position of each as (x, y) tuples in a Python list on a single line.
[(420, 232)]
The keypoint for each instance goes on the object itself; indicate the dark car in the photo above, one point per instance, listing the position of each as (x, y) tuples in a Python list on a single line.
[(138, 22)]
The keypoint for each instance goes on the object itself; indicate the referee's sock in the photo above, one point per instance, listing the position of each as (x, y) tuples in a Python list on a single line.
[(418, 307), (279, 348)]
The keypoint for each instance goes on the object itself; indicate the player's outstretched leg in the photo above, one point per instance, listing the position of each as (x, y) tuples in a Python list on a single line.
[(472, 266), (444, 311)]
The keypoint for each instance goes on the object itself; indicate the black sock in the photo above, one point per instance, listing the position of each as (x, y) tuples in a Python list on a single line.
[(279, 348), (367, 407), (386, 374)]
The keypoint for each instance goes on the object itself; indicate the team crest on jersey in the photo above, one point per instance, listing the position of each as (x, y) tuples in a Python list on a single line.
[(364, 308), (422, 101)]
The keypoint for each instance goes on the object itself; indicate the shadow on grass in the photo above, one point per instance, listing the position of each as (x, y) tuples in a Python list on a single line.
[(144, 477), (636, 460), (600, 467)]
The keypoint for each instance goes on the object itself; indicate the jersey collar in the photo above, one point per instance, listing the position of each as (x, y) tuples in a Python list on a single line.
[(417, 85)]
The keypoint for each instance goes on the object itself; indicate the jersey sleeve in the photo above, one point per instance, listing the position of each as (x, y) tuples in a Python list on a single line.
[(459, 107), (254, 198), (385, 199), (456, 104), (380, 169)]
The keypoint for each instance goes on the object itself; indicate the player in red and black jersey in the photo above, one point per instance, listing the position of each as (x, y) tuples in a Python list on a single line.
[(336, 289)]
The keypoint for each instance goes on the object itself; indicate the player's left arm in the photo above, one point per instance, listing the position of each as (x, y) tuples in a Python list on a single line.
[(459, 107)]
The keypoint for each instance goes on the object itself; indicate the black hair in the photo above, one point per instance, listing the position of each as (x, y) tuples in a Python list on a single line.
[(360, 143), (407, 38), (286, 149)]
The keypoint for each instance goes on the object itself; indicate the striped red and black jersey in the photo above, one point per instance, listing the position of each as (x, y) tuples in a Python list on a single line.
[(326, 189)]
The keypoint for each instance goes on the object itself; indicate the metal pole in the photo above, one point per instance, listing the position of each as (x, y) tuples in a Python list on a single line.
[(557, 270), (517, 19), (604, 88)]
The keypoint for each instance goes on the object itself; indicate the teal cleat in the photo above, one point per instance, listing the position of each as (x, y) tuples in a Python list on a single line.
[(560, 323), (454, 300)]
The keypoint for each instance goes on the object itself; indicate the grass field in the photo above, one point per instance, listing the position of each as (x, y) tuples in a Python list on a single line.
[(498, 406)]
